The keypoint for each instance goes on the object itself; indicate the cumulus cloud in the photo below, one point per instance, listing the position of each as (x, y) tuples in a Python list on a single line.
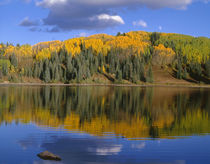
[(82, 34), (67, 15), (28, 23), (49, 3), (141, 23), (106, 18), (119, 3), (160, 28)]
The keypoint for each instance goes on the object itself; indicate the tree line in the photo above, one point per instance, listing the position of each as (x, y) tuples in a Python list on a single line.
[(90, 60)]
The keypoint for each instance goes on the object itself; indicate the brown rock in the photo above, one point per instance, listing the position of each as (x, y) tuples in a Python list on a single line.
[(46, 155)]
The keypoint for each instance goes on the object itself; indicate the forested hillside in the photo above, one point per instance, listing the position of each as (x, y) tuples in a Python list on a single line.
[(127, 58)]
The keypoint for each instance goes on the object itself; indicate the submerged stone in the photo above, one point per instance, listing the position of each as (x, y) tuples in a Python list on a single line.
[(46, 155)]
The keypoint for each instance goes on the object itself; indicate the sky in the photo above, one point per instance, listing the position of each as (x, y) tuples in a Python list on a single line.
[(33, 21)]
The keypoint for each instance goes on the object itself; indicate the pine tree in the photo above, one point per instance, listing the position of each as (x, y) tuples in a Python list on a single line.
[(111, 66), (119, 75), (134, 77), (46, 74), (155, 36), (96, 64), (57, 75), (150, 75), (79, 75), (118, 34), (207, 68), (1, 74), (141, 72), (185, 73), (179, 71), (198, 69), (69, 68), (5, 69), (13, 60), (36, 70)]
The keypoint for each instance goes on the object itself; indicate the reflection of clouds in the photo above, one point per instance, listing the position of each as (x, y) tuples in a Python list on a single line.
[(138, 146), (112, 150), (47, 162), (74, 149), (28, 142), (173, 162), (80, 150), (179, 162)]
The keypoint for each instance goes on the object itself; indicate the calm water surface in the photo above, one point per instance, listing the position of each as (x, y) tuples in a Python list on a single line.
[(101, 125)]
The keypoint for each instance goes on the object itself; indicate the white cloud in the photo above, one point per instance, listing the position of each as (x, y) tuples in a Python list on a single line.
[(49, 3), (106, 17), (67, 15), (82, 34), (120, 3), (160, 28), (141, 23)]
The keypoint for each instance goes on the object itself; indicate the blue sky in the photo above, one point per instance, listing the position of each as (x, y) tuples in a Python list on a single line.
[(33, 21)]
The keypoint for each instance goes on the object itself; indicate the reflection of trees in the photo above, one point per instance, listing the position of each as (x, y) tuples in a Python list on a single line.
[(131, 112)]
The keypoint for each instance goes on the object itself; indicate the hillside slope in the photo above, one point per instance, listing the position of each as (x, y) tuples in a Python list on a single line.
[(134, 57)]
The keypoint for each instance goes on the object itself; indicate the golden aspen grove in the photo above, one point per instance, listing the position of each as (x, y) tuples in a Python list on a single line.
[(128, 58)]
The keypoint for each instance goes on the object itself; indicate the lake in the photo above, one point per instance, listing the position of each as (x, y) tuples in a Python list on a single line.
[(105, 125)]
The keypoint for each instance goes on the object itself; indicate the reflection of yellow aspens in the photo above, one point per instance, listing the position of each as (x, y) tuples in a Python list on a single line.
[(133, 128), (129, 112)]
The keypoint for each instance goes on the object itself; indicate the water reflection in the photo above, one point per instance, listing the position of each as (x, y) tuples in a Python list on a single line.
[(132, 112)]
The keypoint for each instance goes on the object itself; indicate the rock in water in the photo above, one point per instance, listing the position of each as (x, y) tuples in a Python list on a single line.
[(46, 155)]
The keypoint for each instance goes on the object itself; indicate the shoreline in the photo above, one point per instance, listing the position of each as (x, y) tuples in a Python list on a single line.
[(109, 85)]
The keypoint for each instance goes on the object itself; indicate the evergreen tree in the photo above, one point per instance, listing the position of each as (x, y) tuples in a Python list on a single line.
[(185, 73), (141, 72), (96, 64), (57, 75), (119, 75), (118, 34), (155, 36), (179, 70), (79, 75), (28, 71), (150, 75), (198, 69), (13, 60), (207, 68), (5, 69), (46, 74), (111, 66), (134, 77), (36, 70), (1, 74)]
